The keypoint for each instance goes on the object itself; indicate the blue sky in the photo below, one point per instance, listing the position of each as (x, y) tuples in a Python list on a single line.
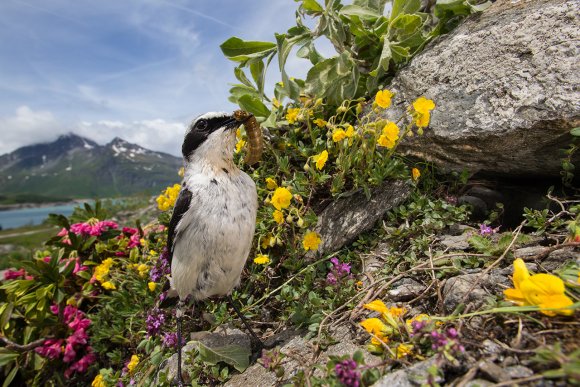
[(137, 69)]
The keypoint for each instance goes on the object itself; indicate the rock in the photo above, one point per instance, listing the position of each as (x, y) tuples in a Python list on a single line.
[(479, 383), (456, 242), (416, 375), (518, 372), (405, 290), (473, 288), (493, 371), (344, 219), (219, 338), (505, 85)]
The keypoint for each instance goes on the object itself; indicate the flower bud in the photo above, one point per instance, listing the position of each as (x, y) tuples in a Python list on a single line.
[(300, 222), (306, 167), (341, 109), (289, 218)]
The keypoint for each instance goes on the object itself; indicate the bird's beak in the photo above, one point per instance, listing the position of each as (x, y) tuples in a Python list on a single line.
[(232, 123)]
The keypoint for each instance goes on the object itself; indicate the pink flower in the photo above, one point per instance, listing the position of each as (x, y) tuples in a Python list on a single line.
[(69, 353), (62, 232), (134, 241), (79, 323), (78, 338), (50, 349), (14, 274), (92, 228), (129, 230), (47, 259), (83, 364)]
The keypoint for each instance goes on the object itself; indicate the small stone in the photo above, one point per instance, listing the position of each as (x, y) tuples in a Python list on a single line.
[(415, 375), (491, 348), (493, 371), (519, 371), (456, 242), (461, 289), (405, 290), (478, 383)]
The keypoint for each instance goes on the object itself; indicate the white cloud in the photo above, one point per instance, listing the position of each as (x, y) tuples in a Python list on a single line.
[(27, 126)]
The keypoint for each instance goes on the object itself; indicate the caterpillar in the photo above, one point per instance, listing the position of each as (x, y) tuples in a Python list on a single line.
[(255, 140)]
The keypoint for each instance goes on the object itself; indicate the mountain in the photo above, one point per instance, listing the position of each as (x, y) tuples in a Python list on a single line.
[(73, 166)]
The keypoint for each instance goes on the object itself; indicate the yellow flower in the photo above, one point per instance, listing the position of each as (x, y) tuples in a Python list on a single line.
[(108, 285), (152, 285), (98, 381), (167, 199), (238, 133), (349, 131), (143, 269), (373, 325), (423, 105), (239, 145), (404, 350), (543, 290), (311, 241), (133, 363), (389, 135), (271, 183), (292, 115), (397, 312), (275, 103), (281, 198), (422, 120), (261, 259), (415, 173), (321, 159), (152, 253), (377, 306), (103, 269), (268, 241), (383, 98), (338, 135), (320, 122), (278, 216)]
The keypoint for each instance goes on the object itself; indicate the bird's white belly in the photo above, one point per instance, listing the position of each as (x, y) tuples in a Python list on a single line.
[(214, 238)]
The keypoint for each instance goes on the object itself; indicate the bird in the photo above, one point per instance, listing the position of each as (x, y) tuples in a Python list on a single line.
[(214, 218)]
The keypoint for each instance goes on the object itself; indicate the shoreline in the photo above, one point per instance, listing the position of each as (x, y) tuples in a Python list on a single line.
[(20, 206)]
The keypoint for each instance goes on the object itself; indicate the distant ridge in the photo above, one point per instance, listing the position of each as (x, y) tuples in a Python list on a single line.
[(77, 167)]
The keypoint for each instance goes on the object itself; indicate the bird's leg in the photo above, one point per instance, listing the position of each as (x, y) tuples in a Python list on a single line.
[(255, 339), (179, 315)]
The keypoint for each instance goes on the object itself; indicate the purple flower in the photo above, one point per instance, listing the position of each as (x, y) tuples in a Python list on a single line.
[(169, 339), (161, 268), (347, 374), (338, 271), (154, 320), (485, 230), (418, 326)]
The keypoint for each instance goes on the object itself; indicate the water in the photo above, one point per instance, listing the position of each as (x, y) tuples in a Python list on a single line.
[(33, 216)]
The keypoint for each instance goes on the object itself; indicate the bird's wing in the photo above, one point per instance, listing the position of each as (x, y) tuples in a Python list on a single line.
[(181, 206)]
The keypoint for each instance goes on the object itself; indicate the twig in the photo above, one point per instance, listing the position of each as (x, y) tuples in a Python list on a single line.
[(548, 250), (517, 382), (469, 375), (23, 348)]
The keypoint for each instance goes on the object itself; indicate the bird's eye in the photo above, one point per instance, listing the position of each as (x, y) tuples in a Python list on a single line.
[(202, 125)]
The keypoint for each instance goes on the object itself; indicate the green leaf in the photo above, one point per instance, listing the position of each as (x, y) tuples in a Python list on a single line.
[(241, 76), (10, 376), (7, 356), (335, 79), (234, 355), (575, 132), (445, 9), (384, 59), (405, 25), (240, 50), (312, 6), (399, 53), (252, 104), (404, 6), (257, 70), (363, 13), (480, 243), (376, 5)]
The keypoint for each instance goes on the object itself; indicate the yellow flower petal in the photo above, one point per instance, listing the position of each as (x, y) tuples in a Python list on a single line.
[(281, 198), (261, 259), (278, 216), (271, 183), (311, 241), (423, 105), (373, 325), (321, 159), (133, 363), (521, 272), (557, 301), (415, 173), (152, 285), (383, 98), (338, 135), (377, 306)]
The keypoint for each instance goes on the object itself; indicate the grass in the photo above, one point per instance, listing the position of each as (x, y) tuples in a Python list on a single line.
[(24, 240)]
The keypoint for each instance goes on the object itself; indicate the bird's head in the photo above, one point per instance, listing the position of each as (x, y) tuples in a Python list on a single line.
[(210, 137)]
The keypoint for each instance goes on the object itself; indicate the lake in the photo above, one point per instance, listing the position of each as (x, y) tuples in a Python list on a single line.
[(33, 216)]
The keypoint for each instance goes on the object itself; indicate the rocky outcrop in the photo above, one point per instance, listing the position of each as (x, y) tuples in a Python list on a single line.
[(506, 88)]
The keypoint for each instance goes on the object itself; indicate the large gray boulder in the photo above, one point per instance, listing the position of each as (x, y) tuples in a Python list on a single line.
[(506, 88)]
